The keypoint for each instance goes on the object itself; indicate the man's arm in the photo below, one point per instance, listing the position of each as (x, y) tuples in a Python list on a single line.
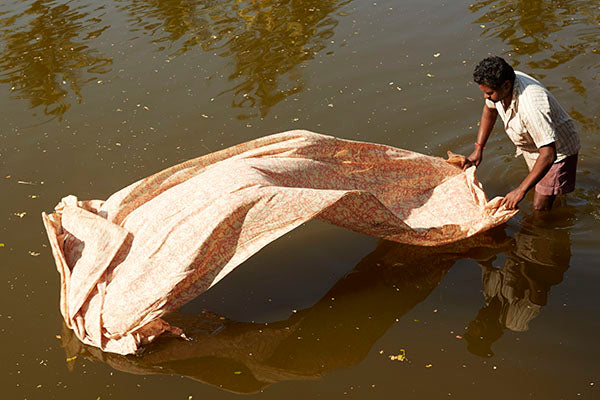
[(488, 119), (540, 168)]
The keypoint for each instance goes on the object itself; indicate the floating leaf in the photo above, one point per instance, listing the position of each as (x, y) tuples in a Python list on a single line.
[(69, 359), (33, 253), (20, 214), (237, 372), (436, 55)]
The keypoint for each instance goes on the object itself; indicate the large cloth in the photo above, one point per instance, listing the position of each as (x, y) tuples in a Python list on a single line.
[(158, 243)]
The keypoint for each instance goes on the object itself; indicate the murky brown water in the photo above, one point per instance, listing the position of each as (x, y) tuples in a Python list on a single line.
[(99, 94)]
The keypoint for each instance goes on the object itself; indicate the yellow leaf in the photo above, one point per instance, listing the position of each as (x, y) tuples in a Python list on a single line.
[(69, 359), (436, 55)]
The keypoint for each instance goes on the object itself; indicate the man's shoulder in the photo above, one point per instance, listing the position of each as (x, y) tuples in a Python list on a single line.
[(530, 89)]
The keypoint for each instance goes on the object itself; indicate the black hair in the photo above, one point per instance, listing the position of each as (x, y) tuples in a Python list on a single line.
[(493, 72)]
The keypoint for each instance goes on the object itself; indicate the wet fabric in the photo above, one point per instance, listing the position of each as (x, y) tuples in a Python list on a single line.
[(158, 243)]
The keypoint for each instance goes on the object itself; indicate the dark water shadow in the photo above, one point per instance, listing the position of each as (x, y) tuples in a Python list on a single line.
[(516, 292), (337, 332), (47, 54), (266, 41)]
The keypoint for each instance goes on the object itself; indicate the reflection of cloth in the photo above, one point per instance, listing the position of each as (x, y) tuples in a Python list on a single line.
[(161, 241), (336, 332), (534, 119)]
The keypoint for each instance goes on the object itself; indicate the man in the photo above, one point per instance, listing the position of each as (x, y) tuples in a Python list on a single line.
[(536, 123)]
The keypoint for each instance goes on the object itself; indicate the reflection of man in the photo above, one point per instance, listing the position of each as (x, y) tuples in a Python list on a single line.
[(536, 123), (515, 294)]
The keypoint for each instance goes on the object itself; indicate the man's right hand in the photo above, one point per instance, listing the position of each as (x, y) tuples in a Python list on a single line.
[(474, 159)]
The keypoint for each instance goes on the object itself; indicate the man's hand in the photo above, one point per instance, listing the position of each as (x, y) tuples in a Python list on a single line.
[(540, 168), (474, 159), (513, 198)]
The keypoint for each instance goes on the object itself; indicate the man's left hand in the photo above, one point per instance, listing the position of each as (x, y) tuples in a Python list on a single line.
[(513, 198)]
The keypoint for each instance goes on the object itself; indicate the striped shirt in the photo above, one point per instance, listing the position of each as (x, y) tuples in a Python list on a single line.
[(534, 119)]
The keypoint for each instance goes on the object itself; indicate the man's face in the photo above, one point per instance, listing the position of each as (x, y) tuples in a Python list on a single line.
[(496, 95)]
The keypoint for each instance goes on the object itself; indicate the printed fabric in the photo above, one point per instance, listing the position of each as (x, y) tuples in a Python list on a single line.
[(158, 243)]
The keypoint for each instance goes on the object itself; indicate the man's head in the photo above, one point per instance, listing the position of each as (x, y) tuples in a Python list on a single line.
[(495, 78)]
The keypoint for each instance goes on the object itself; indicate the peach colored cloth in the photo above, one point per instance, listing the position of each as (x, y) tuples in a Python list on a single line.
[(160, 242)]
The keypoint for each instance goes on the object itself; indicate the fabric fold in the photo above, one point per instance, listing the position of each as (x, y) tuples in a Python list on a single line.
[(158, 243)]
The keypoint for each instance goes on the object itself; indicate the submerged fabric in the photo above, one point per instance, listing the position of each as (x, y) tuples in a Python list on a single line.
[(158, 243)]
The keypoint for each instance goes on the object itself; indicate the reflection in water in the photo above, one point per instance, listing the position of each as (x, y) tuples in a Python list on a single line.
[(528, 27), (515, 293), (266, 39), (551, 33), (45, 53), (338, 331)]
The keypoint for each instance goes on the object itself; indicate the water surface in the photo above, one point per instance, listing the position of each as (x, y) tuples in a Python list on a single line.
[(99, 94)]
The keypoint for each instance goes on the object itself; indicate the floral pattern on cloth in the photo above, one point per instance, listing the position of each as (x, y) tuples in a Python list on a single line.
[(158, 243)]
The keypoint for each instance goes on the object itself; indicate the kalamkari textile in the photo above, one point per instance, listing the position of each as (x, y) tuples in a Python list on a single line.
[(158, 243)]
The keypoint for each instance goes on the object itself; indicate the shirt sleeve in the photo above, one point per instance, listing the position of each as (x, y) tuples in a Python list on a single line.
[(536, 116), (490, 104)]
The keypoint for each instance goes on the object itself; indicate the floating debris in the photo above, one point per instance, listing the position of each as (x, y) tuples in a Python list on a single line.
[(399, 357)]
